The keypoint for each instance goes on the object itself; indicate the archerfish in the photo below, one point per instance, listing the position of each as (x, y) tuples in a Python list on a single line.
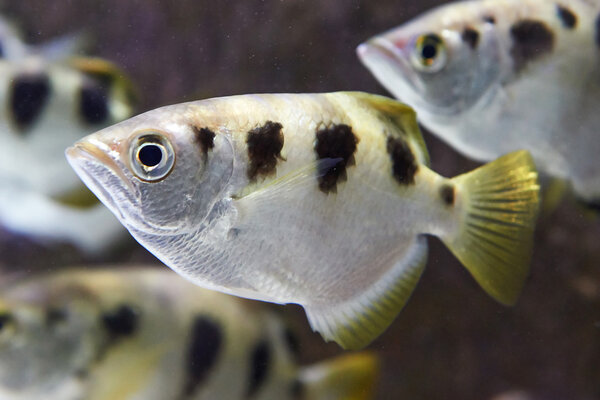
[(145, 333), (317, 199), (47, 105), (495, 76)]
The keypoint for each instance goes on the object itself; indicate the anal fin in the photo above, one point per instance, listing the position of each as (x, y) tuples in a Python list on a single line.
[(356, 322)]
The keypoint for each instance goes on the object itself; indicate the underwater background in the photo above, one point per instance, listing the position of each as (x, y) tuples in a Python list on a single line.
[(451, 341)]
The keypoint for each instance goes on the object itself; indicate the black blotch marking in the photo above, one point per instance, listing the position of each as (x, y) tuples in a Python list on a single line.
[(264, 148), (471, 37), (489, 19), (206, 340), (121, 322), (2, 55), (260, 363), (566, 16), (531, 39), (337, 141), (28, 96), (297, 390), (447, 194), (597, 31), (404, 166), (292, 342), (93, 103), (205, 138), (592, 205), (5, 319), (56, 316)]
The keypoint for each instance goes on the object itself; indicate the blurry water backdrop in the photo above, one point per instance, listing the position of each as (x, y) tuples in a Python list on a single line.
[(451, 341)]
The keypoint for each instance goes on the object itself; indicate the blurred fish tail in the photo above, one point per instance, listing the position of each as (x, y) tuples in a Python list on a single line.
[(348, 377), (500, 206)]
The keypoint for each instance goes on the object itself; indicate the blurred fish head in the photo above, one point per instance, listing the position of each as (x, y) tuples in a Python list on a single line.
[(437, 65), (152, 171), (49, 105), (40, 344)]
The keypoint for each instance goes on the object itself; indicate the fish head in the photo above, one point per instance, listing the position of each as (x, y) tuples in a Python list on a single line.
[(436, 64), (152, 173), (41, 345)]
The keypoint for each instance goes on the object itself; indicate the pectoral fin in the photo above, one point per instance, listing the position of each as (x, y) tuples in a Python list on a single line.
[(296, 185)]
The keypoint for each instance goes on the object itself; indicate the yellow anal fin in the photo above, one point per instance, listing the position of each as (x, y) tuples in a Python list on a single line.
[(499, 203), (349, 377), (359, 320)]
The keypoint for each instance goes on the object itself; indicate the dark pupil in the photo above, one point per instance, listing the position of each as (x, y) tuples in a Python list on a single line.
[(150, 155), (429, 51)]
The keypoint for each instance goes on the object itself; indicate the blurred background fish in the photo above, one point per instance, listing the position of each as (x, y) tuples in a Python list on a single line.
[(49, 101), (494, 76), (138, 333)]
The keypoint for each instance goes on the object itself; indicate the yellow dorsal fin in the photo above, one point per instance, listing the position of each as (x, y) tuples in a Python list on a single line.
[(400, 114), (108, 71)]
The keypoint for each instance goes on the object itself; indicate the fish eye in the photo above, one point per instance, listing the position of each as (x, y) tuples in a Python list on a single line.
[(152, 156), (429, 53)]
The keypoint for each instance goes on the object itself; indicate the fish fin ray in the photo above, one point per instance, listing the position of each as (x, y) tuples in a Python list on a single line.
[(495, 239), (355, 323), (350, 377)]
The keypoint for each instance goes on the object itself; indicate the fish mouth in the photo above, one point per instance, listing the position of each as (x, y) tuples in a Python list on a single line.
[(389, 65), (98, 170)]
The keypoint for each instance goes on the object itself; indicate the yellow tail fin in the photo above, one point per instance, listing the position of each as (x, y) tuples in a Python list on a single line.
[(348, 377), (500, 202)]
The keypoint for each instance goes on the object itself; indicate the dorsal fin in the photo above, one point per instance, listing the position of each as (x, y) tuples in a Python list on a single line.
[(109, 73), (401, 115)]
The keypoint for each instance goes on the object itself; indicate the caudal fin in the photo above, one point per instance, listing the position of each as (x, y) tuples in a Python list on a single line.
[(348, 377), (499, 203)]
